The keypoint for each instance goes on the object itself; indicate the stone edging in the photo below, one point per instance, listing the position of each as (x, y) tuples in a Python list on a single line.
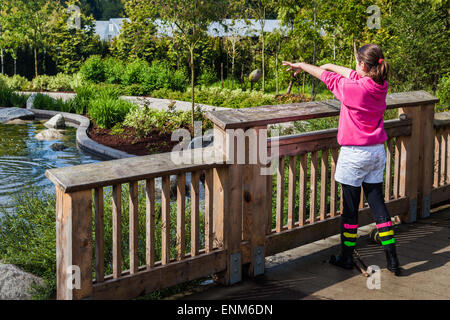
[(83, 141)]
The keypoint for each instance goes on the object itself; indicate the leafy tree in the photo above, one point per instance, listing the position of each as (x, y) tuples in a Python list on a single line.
[(188, 21), (70, 46)]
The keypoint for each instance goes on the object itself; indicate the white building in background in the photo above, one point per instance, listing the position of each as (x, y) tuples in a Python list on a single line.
[(108, 30)]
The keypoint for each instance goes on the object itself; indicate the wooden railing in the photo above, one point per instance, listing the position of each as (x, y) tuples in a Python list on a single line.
[(237, 215)]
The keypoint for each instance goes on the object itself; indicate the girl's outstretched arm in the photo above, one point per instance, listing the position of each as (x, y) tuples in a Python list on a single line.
[(298, 67), (343, 71)]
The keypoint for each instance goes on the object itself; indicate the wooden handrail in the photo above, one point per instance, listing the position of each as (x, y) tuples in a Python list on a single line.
[(89, 176), (260, 116)]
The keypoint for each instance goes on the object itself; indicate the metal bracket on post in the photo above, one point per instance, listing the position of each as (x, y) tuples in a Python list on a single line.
[(259, 260), (235, 268)]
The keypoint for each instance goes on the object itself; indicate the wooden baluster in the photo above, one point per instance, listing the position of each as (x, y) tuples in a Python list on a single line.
[(341, 202), (150, 223), (324, 185), (280, 194), (388, 179), (313, 184), (99, 236), (269, 203), (443, 159), (333, 191), (302, 189), (165, 220), (181, 216), (117, 230), (291, 191), (133, 236), (209, 213), (397, 157), (437, 158), (195, 217)]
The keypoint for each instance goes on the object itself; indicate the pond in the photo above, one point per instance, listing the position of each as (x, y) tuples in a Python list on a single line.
[(24, 160)]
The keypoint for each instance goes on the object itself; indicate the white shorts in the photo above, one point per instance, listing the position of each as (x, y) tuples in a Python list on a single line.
[(358, 164)]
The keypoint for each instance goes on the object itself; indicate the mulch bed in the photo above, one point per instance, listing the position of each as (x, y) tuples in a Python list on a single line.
[(155, 142)]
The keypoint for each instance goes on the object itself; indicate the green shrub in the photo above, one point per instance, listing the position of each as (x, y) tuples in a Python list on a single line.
[(135, 90), (8, 98), (40, 83), (44, 102), (108, 111), (17, 83), (207, 77), (93, 69), (443, 93), (84, 95), (135, 72), (114, 70), (60, 82)]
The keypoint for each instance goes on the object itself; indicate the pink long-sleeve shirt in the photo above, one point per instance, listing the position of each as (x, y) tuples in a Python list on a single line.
[(363, 105)]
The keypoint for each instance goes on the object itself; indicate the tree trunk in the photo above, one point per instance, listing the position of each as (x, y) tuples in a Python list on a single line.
[(15, 66), (263, 56), (221, 74), (276, 66), (291, 83), (303, 84), (3, 62), (35, 63), (192, 87), (313, 89)]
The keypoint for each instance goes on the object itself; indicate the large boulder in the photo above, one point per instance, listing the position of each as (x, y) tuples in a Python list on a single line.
[(8, 114), (49, 135), (57, 122), (16, 284)]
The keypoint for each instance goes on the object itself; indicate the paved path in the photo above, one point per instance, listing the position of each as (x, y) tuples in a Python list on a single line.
[(304, 273)]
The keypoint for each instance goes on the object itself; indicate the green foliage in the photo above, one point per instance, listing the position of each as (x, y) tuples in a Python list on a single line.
[(40, 83), (146, 119), (135, 72), (93, 69), (60, 82), (84, 95), (28, 236), (8, 98), (44, 102), (443, 93), (207, 77), (17, 83), (114, 70), (107, 111)]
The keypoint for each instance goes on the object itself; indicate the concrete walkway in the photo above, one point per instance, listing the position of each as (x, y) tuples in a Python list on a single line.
[(304, 273)]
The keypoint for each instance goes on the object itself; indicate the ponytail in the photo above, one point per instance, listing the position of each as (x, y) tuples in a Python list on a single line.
[(372, 56)]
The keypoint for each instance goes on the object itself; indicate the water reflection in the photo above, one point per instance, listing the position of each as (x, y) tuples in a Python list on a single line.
[(23, 159)]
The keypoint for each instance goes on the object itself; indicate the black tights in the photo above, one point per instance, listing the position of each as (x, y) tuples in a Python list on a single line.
[(349, 220)]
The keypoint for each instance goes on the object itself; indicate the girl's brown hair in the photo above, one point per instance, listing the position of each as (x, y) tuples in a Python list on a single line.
[(373, 57)]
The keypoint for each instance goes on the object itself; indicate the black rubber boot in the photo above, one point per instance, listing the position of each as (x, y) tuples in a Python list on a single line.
[(393, 264), (342, 261)]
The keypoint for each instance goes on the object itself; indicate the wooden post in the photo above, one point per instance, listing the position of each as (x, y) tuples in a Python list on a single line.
[(254, 206), (426, 166), (228, 211), (409, 162), (73, 244)]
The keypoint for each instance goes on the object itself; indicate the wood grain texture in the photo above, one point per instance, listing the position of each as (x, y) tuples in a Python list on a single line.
[(165, 220), (324, 184), (99, 236), (195, 213), (117, 230), (150, 223), (134, 226), (291, 191), (264, 115), (280, 195)]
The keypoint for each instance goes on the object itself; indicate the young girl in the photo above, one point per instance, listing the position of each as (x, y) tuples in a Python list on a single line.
[(361, 136)]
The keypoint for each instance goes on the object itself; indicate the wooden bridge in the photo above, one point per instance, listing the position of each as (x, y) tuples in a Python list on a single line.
[(249, 212)]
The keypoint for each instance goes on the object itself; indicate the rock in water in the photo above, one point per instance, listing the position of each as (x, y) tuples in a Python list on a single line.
[(15, 284), (9, 114), (49, 134), (58, 147), (57, 122)]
